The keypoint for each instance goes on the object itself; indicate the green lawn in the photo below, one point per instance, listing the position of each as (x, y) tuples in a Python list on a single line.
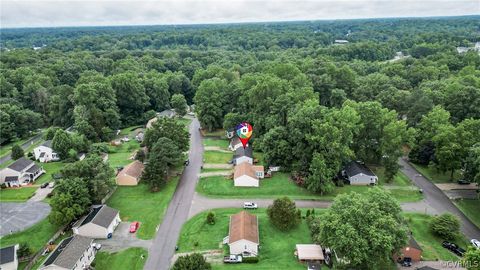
[(471, 209), (435, 176), (215, 133), (50, 169), (36, 236), (184, 121), (17, 194), (431, 245), (129, 259), (217, 157), (216, 142), (277, 247), (400, 178), (137, 203), (119, 155)]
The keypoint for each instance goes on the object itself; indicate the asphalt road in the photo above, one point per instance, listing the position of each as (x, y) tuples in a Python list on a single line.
[(25, 145), (437, 200), (163, 246), (15, 217)]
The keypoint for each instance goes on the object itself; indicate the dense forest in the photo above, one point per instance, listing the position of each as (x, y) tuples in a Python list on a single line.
[(314, 104)]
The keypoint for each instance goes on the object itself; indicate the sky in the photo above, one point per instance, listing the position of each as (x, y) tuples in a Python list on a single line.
[(41, 13)]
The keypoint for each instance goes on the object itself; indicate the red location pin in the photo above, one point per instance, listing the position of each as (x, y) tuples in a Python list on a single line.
[(244, 132)]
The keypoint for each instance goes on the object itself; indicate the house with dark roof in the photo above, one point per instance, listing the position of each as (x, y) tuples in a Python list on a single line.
[(235, 143), (99, 223), (21, 171), (8, 258), (76, 252), (45, 152), (243, 234), (229, 133), (166, 113), (359, 174), (243, 155)]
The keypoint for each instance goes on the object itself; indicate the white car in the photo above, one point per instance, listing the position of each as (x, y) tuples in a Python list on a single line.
[(249, 205), (475, 243)]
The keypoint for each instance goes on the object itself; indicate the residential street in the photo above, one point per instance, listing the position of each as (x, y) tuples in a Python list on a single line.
[(25, 145), (437, 200)]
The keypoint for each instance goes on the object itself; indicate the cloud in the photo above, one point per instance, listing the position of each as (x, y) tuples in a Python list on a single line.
[(87, 13)]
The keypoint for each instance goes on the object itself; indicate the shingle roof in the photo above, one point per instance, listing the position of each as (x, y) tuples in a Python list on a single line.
[(42, 154), (102, 216), (11, 178), (243, 226), (47, 143), (309, 252), (69, 251), (133, 169), (20, 164), (33, 169), (247, 151), (7, 254), (244, 168), (354, 168), (413, 243)]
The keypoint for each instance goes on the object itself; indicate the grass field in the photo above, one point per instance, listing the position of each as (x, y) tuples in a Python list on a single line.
[(119, 155), (277, 247), (215, 133), (185, 121), (137, 203), (431, 245), (17, 194), (129, 259), (400, 178), (216, 142), (217, 157), (36, 236), (435, 176), (471, 209), (50, 169)]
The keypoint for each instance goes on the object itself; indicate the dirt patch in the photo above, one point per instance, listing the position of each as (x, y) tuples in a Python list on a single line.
[(217, 166), (218, 173)]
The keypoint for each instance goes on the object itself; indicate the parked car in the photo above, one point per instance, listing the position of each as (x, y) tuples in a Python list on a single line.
[(232, 259), (249, 205), (475, 243), (453, 248), (463, 182), (97, 246), (407, 262), (187, 162), (44, 185), (134, 226)]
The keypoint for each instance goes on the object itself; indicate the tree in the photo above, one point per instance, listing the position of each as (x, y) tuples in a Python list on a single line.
[(447, 226), (365, 228), (167, 128), (17, 152), (24, 250), (209, 102), (193, 261), (321, 175), (70, 201), (211, 218), (50, 133), (62, 143), (179, 103), (156, 88), (282, 214), (448, 149), (131, 97), (472, 164), (471, 259)]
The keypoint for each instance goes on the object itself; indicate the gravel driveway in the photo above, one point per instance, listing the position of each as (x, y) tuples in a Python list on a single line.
[(16, 217)]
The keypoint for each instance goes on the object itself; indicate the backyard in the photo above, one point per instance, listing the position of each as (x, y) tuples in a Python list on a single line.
[(217, 157), (129, 259), (137, 203), (435, 176), (222, 143), (119, 156)]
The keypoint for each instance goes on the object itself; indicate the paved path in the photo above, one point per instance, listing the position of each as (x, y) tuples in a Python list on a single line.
[(437, 200), (25, 145), (163, 246), (40, 194), (16, 217)]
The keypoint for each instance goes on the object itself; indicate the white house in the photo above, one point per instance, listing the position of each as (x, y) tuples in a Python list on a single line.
[(99, 223), (247, 175), (243, 155), (45, 153), (8, 258), (165, 113), (243, 234), (22, 171), (229, 133), (359, 174), (235, 144), (341, 41), (75, 253)]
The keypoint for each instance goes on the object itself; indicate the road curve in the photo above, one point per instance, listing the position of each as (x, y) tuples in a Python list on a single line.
[(24, 146), (163, 246)]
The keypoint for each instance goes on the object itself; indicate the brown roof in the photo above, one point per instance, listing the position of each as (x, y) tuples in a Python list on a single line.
[(133, 169), (258, 168), (243, 226), (310, 252), (244, 169)]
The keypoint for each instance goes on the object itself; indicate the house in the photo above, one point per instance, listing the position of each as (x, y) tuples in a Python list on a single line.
[(130, 175), (341, 41), (165, 113), (139, 137), (99, 223), (8, 258), (235, 144), (247, 175), (80, 156), (229, 133), (21, 171), (243, 155), (309, 253), (243, 234), (412, 250), (76, 253), (45, 153), (359, 174)]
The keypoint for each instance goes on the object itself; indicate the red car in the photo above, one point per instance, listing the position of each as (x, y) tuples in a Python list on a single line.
[(134, 226)]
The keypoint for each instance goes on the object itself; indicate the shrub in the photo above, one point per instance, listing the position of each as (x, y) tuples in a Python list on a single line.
[(447, 226), (211, 218), (308, 213), (250, 260), (24, 250), (283, 214), (17, 152), (193, 261)]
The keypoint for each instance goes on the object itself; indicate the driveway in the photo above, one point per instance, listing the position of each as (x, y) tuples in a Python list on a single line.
[(123, 239), (437, 200), (24, 146), (16, 217), (40, 194)]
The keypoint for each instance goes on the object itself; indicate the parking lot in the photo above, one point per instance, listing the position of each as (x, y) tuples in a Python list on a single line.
[(20, 216)]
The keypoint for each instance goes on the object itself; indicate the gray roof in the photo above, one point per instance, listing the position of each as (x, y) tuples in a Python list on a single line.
[(47, 143), (247, 151), (354, 168), (102, 216), (7, 254), (33, 169), (42, 154), (11, 178), (167, 113), (69, 251), (20, 164)]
